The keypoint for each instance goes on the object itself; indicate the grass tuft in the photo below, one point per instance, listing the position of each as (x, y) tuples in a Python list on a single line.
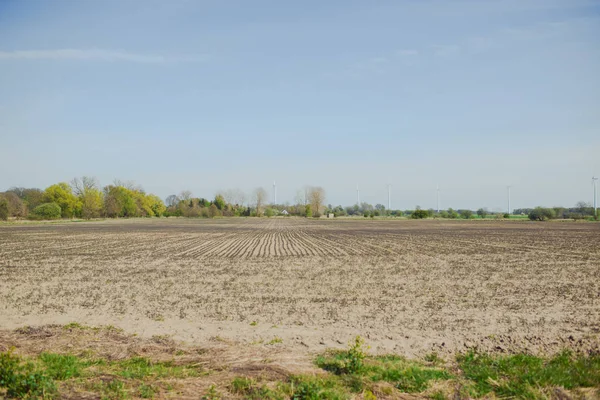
[(522, 375), (22, 380), (356, 368)]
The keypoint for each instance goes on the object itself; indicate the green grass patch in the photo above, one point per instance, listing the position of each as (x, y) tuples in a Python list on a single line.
[(357, 369), (345, 375), (526, 376), (61, 367), (300, 387), (21, 379), (146, 391), (251, 389), (37, 377), (113, 389), (141, 368)]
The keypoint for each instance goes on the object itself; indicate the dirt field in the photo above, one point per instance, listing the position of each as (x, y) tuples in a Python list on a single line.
[(407, 287)]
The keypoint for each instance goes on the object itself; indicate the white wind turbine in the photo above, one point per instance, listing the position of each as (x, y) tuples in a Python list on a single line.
[(594, 180)]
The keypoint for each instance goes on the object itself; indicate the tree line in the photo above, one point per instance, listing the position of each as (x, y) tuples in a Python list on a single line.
[(85, 198), (81, 198)]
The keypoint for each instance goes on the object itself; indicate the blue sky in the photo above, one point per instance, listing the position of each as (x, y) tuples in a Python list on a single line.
[(198, 95)]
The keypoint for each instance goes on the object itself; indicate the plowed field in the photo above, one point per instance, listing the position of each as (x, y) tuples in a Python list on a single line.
[(406, 286)]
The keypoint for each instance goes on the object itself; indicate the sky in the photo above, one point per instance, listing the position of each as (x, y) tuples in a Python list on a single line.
[(470, 95)]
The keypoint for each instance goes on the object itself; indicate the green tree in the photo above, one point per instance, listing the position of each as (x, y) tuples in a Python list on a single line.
[(541, 214), (3, 209), (47, 211), (90, 197), (157, 205), (213, 211), (269, 212), (466, 214), (219, 201), (62, 195), (92, 202), (452, 214), (419, 214), (308, 211), (482, 212), (119, 202)]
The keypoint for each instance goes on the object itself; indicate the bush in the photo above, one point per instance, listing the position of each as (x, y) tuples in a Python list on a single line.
[(21, 380), (308, 211), (213, 211), (506, 215), (419, 214), (350, 361), (541, 214), (452, 214), (47, 211), (3, 209), (466, 214)]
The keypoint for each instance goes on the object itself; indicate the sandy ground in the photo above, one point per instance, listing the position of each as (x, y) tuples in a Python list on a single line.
[(408, 287)]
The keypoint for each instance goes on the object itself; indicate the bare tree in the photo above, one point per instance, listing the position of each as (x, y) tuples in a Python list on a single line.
[(186, 195), (82, 185), (316, 198), (130, 185), (233, 196), (240, 197), (228, 195), (259, 197), (299, 198), (172, 200)]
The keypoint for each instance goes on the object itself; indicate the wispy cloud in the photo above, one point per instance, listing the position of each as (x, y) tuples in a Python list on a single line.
[(93, 55), (446, 50), (407, 52)]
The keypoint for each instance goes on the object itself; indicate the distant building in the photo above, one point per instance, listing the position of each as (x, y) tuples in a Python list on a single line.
[(284, 212), (330, 215)]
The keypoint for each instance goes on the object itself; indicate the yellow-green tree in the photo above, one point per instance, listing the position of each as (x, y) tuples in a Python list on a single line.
[(91, 203), (62, 195), (120, 202), (90, 197), (156, 205)]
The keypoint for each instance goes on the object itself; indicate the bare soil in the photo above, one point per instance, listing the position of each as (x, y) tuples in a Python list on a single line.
[(301, 286)]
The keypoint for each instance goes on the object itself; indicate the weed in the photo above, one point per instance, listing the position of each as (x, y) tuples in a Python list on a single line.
[(250, 389), (61, 367), (434, 358), (22, 380), (415, 379), (315, 388), (113, 390), (368, 395), (437, 396), (140, 368), (74, 325), (212, 394), (345, 362), (253, 323), (275, 340), (352, 365), (241, 385), (146, 391)]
